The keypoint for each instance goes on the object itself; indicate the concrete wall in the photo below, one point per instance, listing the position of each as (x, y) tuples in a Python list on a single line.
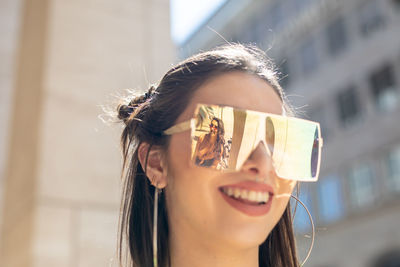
[(9, 29), (61, 185)]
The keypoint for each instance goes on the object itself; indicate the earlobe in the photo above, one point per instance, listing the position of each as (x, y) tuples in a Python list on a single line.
[(151, 159)]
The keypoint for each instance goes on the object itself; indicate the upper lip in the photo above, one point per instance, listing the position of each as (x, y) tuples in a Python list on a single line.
[(252, 185)]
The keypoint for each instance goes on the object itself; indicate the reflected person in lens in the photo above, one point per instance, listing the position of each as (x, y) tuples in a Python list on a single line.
[(210, 146)]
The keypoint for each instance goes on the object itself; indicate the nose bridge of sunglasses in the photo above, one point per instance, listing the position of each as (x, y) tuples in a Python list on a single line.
[(261, 136), (253, 136)]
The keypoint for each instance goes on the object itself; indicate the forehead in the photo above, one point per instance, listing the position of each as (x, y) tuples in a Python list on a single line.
[(236, 89)]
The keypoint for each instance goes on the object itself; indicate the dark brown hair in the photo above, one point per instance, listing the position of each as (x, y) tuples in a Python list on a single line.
[(146, 117)]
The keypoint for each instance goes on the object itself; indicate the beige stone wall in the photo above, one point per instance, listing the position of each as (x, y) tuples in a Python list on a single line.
[(62, 196), (9, 29)]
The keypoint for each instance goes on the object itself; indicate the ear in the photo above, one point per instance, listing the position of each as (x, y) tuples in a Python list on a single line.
[(156, 169)]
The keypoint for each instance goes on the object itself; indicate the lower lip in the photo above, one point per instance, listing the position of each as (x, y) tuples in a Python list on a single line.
[(251, 210)]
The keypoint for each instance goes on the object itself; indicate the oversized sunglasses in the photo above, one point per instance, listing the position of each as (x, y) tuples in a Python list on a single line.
[(213, 126), (293, 144)]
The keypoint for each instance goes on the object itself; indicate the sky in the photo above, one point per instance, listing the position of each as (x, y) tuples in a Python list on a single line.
[(188, 15)]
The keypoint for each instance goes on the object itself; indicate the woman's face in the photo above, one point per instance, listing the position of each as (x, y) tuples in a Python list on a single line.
[(198, 202), (214, 127)]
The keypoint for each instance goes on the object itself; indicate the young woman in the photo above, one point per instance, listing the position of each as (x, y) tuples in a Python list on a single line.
[(234, 215), (210, 146)]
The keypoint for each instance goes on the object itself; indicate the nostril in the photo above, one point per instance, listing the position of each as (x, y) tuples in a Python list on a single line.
[(253, 170)]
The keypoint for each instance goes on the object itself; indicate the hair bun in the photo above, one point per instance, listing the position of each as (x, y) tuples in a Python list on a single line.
[(124, 111), (143, 98)]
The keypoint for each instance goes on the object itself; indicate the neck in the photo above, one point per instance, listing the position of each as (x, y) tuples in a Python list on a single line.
[(187, 251), (213, 137)]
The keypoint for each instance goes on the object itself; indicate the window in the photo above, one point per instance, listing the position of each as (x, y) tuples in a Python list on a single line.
[(330, 202), (348, 106), (388, 258), (371, 18), (383, 87), (308, 56), (396, 4), (393, 167), (336, 36), (301, 221), (361, 181)]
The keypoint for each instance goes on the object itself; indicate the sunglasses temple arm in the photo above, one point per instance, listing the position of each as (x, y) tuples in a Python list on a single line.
[(180, 127)]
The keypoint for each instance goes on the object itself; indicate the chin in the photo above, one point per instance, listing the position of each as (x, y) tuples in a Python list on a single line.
[(243, 240), (244, 235)]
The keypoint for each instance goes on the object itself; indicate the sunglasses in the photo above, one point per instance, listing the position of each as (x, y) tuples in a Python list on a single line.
[(294, 145), (213, 126)]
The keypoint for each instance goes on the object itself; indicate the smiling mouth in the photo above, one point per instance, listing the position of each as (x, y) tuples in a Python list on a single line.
[(249, 197)]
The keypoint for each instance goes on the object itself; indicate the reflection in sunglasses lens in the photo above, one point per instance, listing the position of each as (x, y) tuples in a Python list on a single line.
[(270, 134)]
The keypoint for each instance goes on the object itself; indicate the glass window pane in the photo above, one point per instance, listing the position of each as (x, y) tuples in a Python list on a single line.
[(330, 202), (361, 185), (301, 221), (348, 106), (393, 165), (371, 18), (336, 36), (396, 4), (384, 89)]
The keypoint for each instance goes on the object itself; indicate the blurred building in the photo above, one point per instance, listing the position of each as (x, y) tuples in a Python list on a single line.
[(59, 162), (340, 65)]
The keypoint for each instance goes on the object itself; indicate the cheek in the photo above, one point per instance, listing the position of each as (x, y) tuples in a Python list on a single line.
[(178, 166), (186, 186), (179, 151), (284, 189), (193, 201)]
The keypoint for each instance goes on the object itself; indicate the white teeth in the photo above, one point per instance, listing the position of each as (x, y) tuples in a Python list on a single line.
[(237, 193), (250, 195), (244, 194), (259, 197), (230, 191)]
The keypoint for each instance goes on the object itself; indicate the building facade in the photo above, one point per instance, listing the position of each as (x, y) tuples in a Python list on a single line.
[(61, 62), (340, 65)]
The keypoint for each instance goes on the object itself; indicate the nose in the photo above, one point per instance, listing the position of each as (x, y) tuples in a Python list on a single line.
[(259, 163)]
